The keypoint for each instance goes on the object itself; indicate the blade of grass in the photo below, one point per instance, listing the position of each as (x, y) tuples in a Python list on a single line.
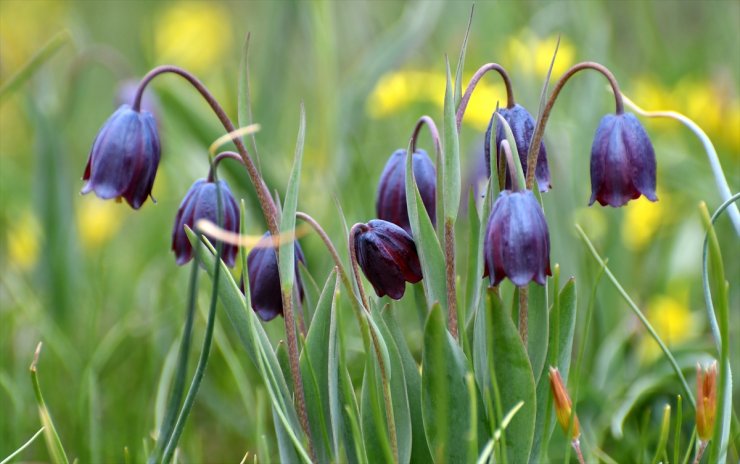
[(22, 447), (639, 314), (461, 59), (665, 425), (53, 442), (48, 50)]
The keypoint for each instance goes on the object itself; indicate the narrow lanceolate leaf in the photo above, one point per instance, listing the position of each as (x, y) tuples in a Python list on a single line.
[(427, 245), (514, 382), (286, 256), (244, 97), (474, 268), (461, 60), (451, 178), (560, 344), (446, 405), (53, 442), (314, 364), (375, 431), (419, 447)]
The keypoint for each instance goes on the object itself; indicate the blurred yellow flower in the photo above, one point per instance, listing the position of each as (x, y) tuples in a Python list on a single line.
[(194, 35), (532, 54), (98, 220), (24, 238), (712, 106), (396, 91), (672, 319), (642, 220)]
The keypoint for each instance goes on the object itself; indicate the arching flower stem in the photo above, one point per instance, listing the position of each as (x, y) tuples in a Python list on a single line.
[(217, 159), (462, 106), (539, 129)]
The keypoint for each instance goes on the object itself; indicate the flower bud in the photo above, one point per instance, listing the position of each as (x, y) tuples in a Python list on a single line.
[(517, 241), (390, 202), (522, 127), (124, 157), (264, 278), (622, 161), (706, 401), (563, 405), (387, 256), (201, 203)]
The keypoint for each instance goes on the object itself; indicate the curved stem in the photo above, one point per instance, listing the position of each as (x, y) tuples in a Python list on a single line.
[(221, 156), (357, 228), (506, 148), (474, 82), (429, 122), (539, 130), (263, 194)]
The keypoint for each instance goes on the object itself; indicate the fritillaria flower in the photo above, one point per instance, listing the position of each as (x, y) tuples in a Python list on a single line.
[(622, 161), (517, 241), (264, 278), (387, 256), (522, 127), (124, 157), (391, 198), (201, 203)]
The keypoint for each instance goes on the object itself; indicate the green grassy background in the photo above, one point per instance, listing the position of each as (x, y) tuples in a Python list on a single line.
[(97, 282)]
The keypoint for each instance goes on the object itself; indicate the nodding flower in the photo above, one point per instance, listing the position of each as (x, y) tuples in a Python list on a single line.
[(124, 158), (264, 278), (201, 203), (387, 256), (622, 161), (522, 127), (390, 202), (517, 241)]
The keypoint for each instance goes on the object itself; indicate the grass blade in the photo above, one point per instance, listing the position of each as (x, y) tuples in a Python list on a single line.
[(53, 442)]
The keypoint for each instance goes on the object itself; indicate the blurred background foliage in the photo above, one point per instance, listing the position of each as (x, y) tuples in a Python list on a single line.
[(97, 283)]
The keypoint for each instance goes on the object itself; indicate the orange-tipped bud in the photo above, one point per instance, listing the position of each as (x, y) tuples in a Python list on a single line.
[(563, 405), (706, 400)]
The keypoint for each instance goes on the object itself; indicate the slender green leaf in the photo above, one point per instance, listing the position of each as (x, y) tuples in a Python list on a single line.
[(20, 449), (419, 446), (286, 259), (244, 97), (461, 59), (451, 185), (513, 376), (514, 152), (444, 395), (427, 245), (53, 442), (665, 426), (538, 328), (43, 55)]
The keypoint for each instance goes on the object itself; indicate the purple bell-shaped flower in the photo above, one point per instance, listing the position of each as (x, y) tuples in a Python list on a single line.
[(517, 242), (387, 256), (622, 161), (201, 203), (390, 203), (522, 127), (124, 157), (264, 278)]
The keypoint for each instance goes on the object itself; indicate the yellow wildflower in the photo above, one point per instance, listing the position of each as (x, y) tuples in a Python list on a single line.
[(194, 35), (642, 220), (98, 221), (24, 238), (532, 54), (672, 320)]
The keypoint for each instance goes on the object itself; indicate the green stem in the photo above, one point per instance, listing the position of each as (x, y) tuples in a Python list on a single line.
[(22, 447), (639, 315)]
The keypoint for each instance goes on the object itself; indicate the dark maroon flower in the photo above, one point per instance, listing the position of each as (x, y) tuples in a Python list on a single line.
[(622, 161), (264, 278), (390, 202), (201, 203), (522, 127), (517, 242), (387, 256), (124, 157)]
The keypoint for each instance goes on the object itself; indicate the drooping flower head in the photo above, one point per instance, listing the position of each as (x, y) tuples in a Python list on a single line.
[(387, 256), (522, 127), (622, 161), (124, 157), (390, 202), (201, 202), (264, 278), (517, 241)]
